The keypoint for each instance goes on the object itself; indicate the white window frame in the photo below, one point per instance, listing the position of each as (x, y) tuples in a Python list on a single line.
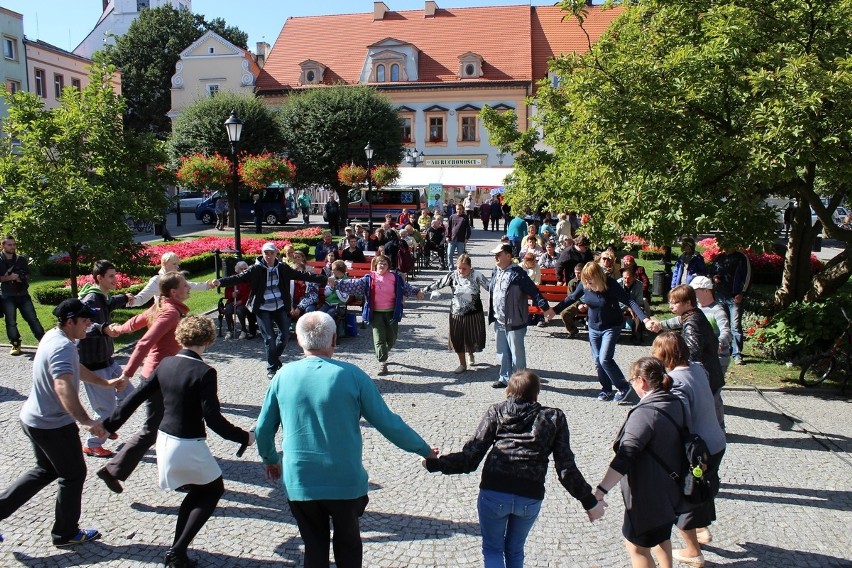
[(12, 44), (213, 89)]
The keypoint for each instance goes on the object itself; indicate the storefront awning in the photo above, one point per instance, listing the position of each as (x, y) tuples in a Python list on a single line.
[(481, 178)]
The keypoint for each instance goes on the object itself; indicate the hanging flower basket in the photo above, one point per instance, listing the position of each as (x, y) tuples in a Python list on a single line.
[(260, 170), (384, 175), (351, 175), (201, 172)]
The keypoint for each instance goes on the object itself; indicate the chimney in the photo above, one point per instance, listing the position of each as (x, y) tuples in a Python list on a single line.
[(262, 52), (430, 9), (379, 11)]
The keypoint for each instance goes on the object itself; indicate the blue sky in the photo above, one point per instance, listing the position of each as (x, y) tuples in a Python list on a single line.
[(65, 23)]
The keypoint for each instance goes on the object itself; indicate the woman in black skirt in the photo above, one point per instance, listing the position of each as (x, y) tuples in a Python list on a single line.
[(467, 317)]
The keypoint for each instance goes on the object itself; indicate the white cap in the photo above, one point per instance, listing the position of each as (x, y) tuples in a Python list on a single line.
[(269, 246), (701, 283)]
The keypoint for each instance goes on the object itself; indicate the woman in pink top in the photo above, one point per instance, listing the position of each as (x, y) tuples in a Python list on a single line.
[(382, 290), (159, 342)]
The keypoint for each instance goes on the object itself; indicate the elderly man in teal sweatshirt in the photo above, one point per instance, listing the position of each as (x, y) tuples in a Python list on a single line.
[(319, 401)]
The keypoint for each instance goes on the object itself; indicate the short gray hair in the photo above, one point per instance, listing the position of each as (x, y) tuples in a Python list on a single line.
[(315, 331)]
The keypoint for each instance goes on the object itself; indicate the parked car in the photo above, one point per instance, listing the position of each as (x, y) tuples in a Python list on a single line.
[(189, 200), (273, 199)]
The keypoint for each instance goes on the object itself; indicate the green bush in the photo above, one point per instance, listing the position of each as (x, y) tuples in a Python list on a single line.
[(799, 330), (652, 255), (307, 241), (51, 294), (303, 247)]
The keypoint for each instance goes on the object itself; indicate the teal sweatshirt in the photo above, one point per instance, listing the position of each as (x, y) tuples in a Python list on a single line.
[(319, 403)]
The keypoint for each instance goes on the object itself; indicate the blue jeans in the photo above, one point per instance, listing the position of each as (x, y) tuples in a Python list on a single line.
[(451, 251), (735, 314), (510, 347), (603, 343), (24, 304), (274, 343), (505, 520), (516, 246)]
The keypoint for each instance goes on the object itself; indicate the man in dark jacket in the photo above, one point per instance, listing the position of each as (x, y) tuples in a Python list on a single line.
[(332, 213), (96, 350), (458, 232), (570, 257), (435, 237), (14, 284), (731, 276), (507, 309), (270, 300), (257, 214)]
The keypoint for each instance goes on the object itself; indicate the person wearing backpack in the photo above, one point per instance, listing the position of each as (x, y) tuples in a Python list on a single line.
[(651, 498), (690, 384)]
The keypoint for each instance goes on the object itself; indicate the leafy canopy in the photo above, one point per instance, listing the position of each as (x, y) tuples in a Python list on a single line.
[(147, 55), (74, 173)]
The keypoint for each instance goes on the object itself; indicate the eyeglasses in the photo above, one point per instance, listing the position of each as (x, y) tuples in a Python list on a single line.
[(606, 259)]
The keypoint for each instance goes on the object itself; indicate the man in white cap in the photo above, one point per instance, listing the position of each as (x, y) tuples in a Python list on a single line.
[(270, 299)]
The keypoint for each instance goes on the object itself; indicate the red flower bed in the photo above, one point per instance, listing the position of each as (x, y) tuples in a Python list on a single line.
[(188, 249), (299, 234), (122, 280), (760, 262), (634, 240)]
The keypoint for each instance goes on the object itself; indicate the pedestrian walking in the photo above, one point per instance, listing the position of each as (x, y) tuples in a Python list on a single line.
[(467, 315), (318, 403), (221, 210), (257, 214), (732, 277), (519, 435), (188, 388), (14, 286), (305, 206), (458, 232), (332, 213), (48, 418), (510, 289)]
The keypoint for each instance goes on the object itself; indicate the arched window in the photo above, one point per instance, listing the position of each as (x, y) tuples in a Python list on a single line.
[(380, 73), (394, 72)]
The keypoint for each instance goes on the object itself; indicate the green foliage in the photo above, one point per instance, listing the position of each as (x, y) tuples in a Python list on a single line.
[(799, 330), (687, 114), (54, 293), (202, 172), (76, 173), (200, 128), (302, 247), (147, 55), (326, 127)]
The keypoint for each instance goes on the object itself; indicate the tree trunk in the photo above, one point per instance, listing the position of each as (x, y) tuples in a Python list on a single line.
[(796, 278), (834, 275)]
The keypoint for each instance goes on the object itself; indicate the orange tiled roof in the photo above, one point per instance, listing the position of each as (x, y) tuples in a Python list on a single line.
[(552, 36), (515, 43), (501, 35)]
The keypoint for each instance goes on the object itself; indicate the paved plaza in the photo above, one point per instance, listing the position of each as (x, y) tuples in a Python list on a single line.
[(786, 499)]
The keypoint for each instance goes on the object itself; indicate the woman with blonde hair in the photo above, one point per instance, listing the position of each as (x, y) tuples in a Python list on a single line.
[(159, 342), (690, 384), (467, 314), (169, 262), (187, 387), (603, 294), (382, 290), (648, 437)]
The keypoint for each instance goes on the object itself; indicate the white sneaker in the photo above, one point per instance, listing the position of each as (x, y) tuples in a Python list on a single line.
[(242, 335), (228, 335), (472, 359)]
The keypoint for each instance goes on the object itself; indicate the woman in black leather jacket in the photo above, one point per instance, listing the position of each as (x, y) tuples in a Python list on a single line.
[(520, 434)]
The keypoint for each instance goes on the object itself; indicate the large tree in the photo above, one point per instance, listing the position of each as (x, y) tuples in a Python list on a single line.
[(70, 175), (325, 128), (688, 113), (147, 54)]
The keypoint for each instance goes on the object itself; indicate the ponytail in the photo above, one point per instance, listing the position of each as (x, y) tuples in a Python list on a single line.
[(652, 371)]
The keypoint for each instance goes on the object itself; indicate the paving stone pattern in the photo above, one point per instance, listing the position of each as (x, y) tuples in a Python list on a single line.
[(785, 501)]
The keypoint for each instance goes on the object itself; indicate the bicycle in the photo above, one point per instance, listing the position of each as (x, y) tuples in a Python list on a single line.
[(839, 356)]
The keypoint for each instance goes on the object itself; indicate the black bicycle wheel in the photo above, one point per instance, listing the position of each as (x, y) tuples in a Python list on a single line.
[(817, 371)]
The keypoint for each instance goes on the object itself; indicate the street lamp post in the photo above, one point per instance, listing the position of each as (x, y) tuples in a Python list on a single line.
[(413, 157), (234, 127), (368, 151)]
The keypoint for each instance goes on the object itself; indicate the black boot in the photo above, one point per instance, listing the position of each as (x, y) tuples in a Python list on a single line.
[(176, 560)]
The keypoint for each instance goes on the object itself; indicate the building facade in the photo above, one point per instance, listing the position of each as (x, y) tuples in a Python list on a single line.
[(14, 62), (116, 19)]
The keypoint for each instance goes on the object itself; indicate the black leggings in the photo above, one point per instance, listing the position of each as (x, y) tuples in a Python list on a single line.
[(197, 506)]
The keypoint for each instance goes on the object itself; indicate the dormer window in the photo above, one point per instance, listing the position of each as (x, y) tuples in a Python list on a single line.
[(312, 72), (470, 66), (388, 66), (390, 61)]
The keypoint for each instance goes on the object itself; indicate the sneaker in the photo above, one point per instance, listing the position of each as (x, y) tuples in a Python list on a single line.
[(83, 535), (111, 481), (383, 369), (460, 369), (697, 561), (541, 324), (472, 359), (243, 335), (270, 375), (499, 385), (738, 360), (97, 452), (15, 350), (622, 395), (605, 396), (229, 335)]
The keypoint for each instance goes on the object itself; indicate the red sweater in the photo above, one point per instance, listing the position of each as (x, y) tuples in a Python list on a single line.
[(159, 341)]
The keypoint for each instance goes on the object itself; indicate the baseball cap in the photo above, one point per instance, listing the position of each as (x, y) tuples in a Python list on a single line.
[(701, 283), (73, 308), (502, 248), (269, 246), (627, 259)]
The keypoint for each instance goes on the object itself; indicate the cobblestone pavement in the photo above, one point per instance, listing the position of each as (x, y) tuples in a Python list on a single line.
[(785, 501)]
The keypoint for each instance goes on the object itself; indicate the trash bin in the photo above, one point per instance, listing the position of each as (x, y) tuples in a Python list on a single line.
[(661, 282), (817, 244)]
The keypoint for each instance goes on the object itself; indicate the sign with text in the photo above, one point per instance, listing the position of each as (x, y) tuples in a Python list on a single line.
[(454, 161)]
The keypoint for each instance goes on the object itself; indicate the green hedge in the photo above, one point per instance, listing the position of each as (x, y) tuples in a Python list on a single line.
[(307, 241), (652, 255), (52, 295)]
